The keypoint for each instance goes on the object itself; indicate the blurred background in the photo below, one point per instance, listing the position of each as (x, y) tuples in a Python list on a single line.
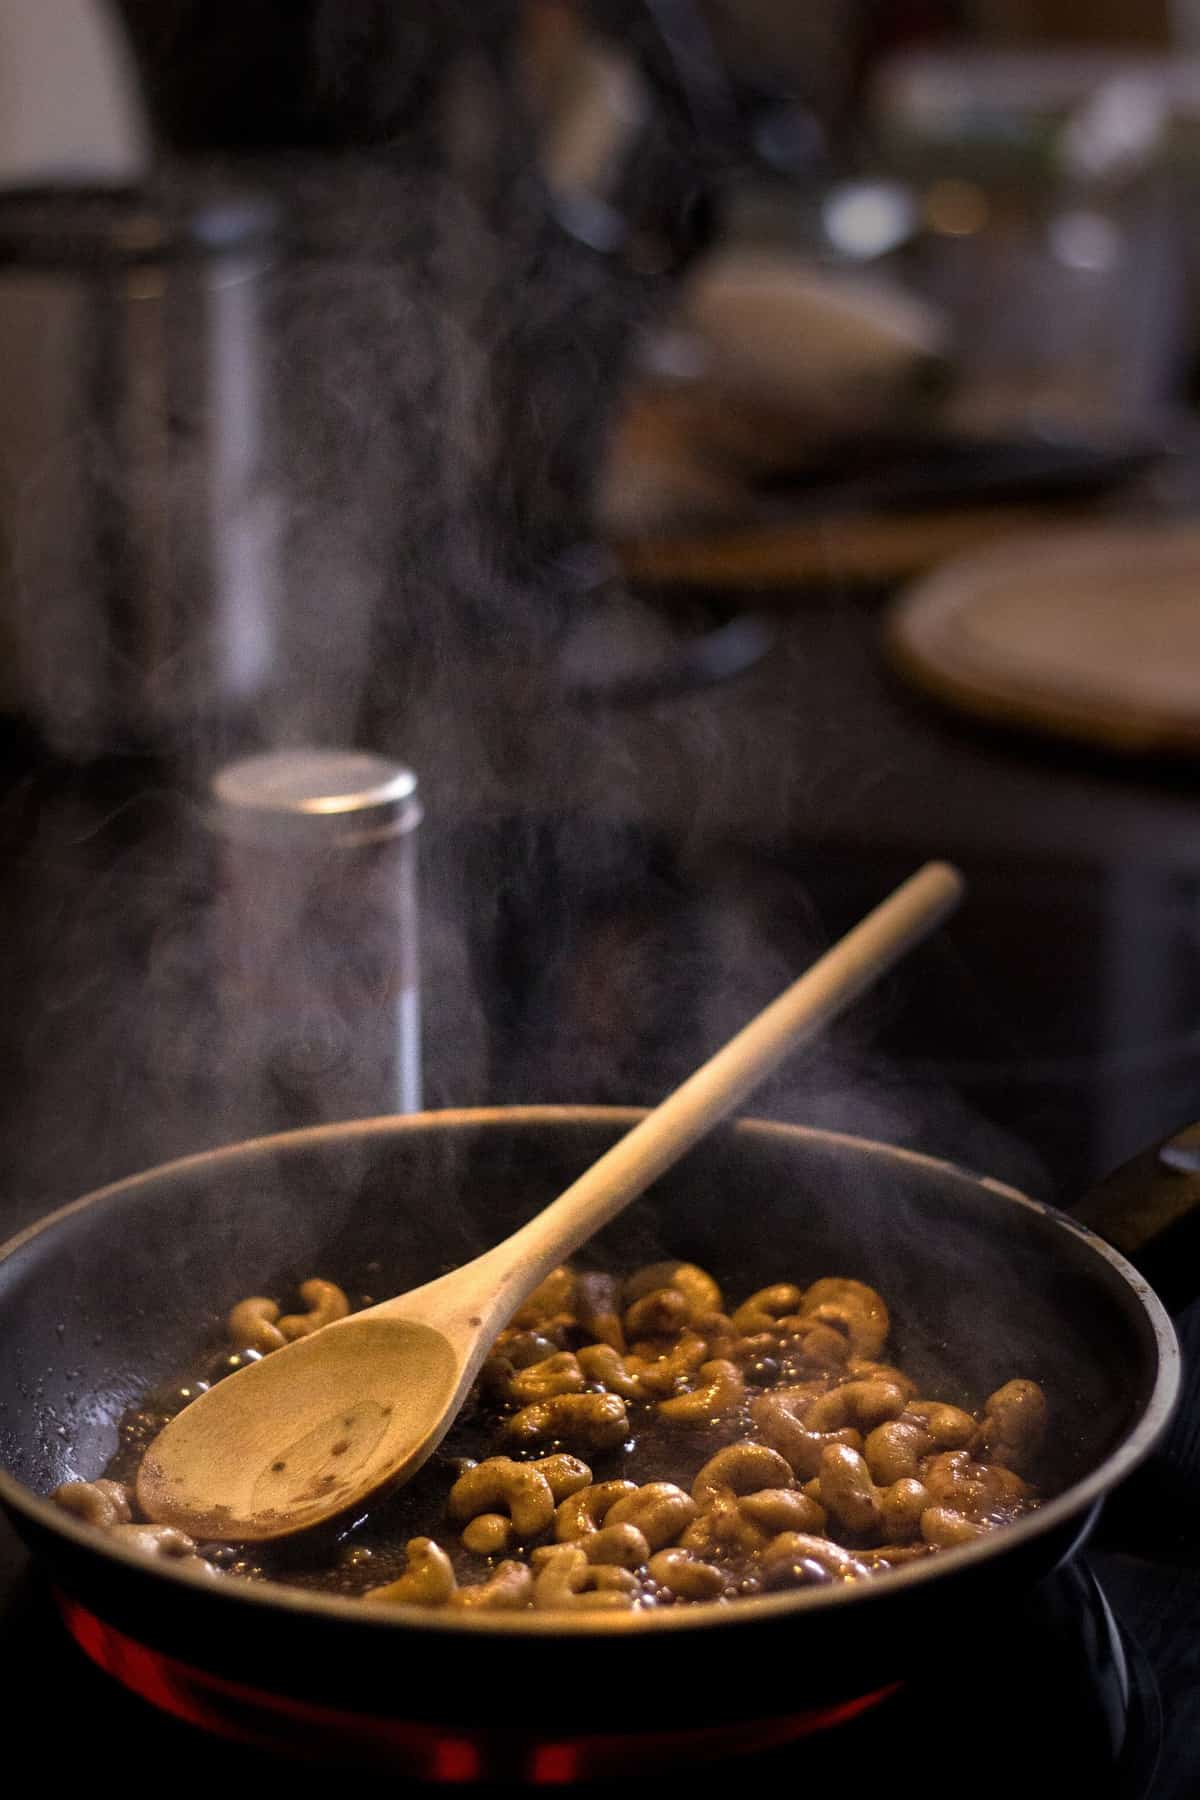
[(729, 451)]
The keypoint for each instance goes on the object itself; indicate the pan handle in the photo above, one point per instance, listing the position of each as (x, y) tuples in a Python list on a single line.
[(1149, 1210)]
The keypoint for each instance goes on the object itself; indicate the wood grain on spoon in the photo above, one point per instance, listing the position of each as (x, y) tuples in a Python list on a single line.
[(320, 1425)]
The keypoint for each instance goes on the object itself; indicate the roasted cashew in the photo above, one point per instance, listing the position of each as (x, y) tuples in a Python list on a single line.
[(600, 1362), (325, 1302), (500, 1484), (551, 1303), (1013, 1426), (559, 1374), (848, 1492), (251, 1325), (862, 1403), (789, 1560), (685, 1575), (779, 1417), (583, 1512), (816, 1344), (428, 1579), (721, 1388), (850, 1306), (894, 1451), (943, 1526), (565, 1581), (488, 1535), (949, 1427), (621, 1546), (763, 1310), (597, 1421), (158, 1540), (779, 1509), (103, 1503), (521, 1348), (660, 1510), (661, 1375), (904, 1502), (694, 1283), (566, 1474), (598, 1304), (749, 1523), (507, 1588), (864, 1368), (977, 1490), (661, 1313), (740, 1469)]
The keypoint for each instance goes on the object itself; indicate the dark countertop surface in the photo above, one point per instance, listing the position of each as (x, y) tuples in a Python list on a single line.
[(589, 934)]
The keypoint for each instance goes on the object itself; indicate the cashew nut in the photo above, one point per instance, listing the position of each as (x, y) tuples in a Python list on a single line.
[(949, 1427), (849, 1306), (894, 1450), (662, 1374), (521, 1348), (159, 1540), (598, 1303), (584, 1512), (861, 1368), (943, 1526), (695, 1284), (558, 1374), (740, 1469), (621, 1546), (660, 1313), (685, 1575), (488, 1535), (904, 1502), (251, 1325), (796, 1559), (428, 1579), (600, 1362), (1013, 1426), (507, 1588), (552, 1302), (660, 1510), (566, 1581), (862, 1403), (597, 1421), (977, 1490), (325, 1302), (721, 1388), (566, 1474), (848, 1491), (518, 1488), (102, 1503), (763, 1310), (779, 1417)]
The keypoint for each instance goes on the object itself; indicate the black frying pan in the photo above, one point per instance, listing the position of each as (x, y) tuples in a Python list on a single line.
[(114, 1294)]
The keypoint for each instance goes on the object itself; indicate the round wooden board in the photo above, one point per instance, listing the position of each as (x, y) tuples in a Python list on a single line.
[(1091, 634)]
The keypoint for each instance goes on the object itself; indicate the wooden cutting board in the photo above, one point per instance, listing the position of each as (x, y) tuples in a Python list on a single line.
[(1089, 634)]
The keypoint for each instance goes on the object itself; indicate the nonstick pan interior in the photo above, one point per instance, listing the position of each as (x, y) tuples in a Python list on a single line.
[(121, 1292)]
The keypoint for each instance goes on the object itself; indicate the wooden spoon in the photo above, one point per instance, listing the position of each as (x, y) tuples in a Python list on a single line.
[(318, 1426)]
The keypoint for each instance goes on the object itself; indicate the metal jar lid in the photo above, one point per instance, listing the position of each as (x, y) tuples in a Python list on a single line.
[(315, 799)]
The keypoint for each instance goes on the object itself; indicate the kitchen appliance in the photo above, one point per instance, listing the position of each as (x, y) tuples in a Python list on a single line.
[(138, 521), (984, 1281)]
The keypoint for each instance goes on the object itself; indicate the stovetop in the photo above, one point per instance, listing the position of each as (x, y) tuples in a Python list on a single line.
[(1054, 1696), (1046, 1035)]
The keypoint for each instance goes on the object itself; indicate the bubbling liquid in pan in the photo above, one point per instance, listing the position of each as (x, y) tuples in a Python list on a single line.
[(632, 1444)]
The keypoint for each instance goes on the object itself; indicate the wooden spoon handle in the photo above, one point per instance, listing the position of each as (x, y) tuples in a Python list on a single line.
[(714, 1091)]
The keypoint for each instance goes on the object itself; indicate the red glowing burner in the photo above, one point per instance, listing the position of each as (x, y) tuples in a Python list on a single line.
[(430, 1753)]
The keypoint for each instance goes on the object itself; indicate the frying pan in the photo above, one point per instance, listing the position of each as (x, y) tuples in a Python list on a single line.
[(115, 1294)]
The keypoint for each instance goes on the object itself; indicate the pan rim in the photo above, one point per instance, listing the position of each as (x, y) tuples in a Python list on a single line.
[(1076, 1501)]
